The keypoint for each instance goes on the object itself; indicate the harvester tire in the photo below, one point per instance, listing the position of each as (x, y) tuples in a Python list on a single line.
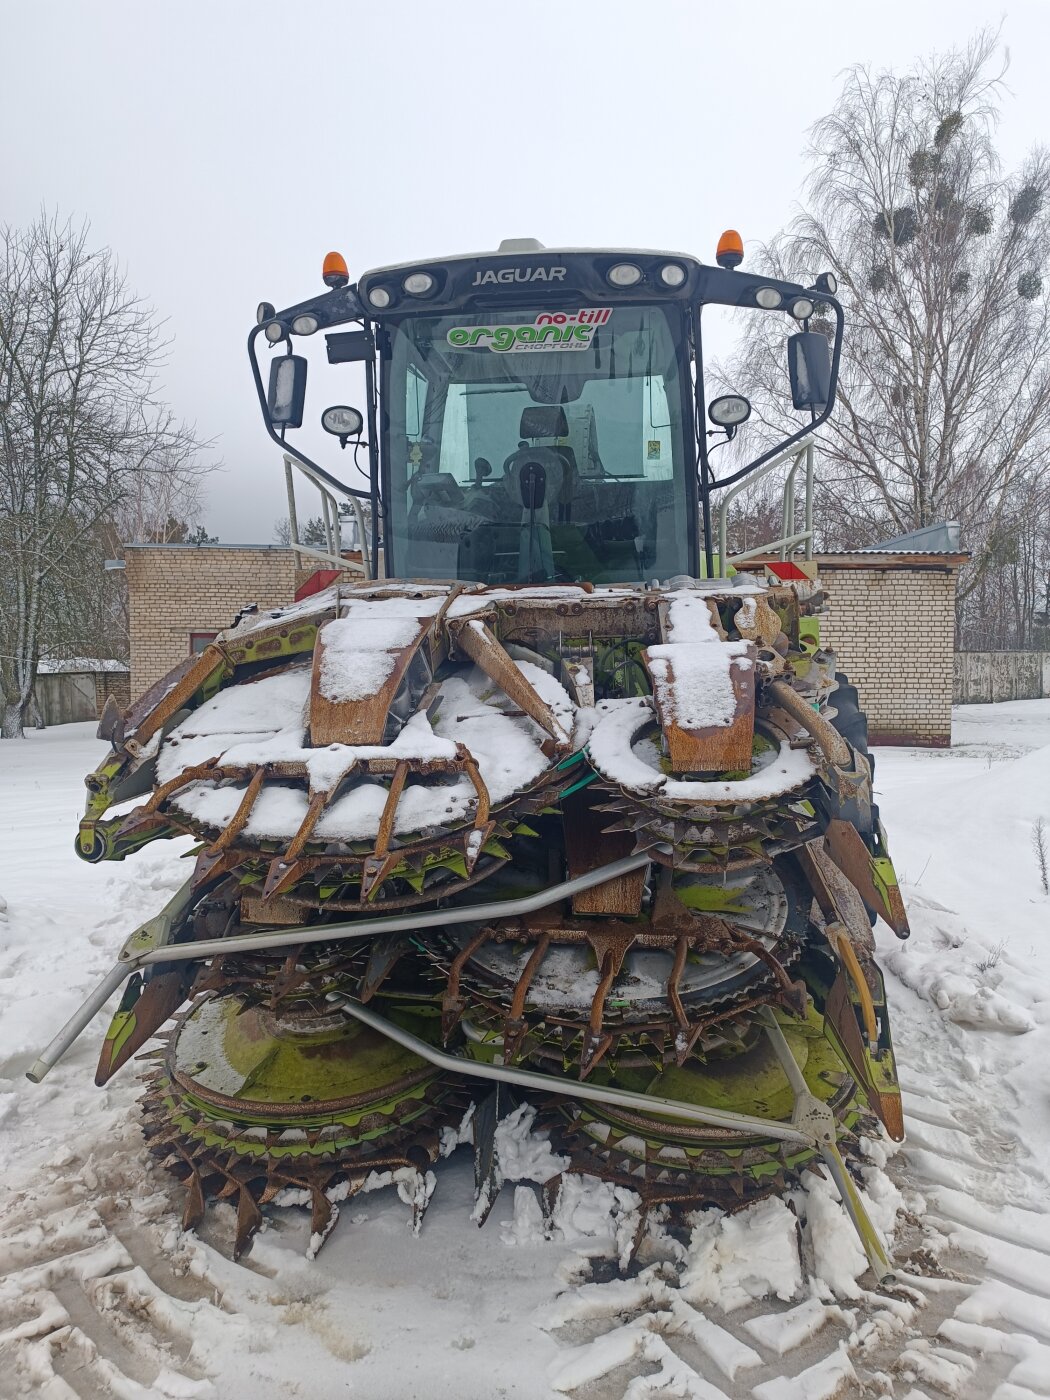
[(850, 720)]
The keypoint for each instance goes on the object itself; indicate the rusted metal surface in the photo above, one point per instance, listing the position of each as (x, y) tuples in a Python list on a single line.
[(851, 855), (832, 744), (588, 846), (765, 627), (839, 1013), (836, 896), (357, 721), (712, 748), (476, 640), (160, 999), (271, 912), (169, 695)]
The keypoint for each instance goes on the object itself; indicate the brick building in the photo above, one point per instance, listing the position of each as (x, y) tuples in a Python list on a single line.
[(891, 619), (180, 595)]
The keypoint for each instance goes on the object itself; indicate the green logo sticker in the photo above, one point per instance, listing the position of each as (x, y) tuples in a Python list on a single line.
[(552, 330)]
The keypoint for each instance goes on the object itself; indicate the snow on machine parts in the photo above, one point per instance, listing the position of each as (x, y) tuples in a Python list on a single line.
[(553, 801)]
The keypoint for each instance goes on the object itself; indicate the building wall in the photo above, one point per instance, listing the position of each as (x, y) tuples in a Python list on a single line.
[(892, 623), (177, 590), (115, 683)]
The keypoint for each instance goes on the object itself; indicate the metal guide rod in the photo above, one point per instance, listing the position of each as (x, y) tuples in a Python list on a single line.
[(149, 944), (393, 923), (293, 519), (333, 529), (551, 1084), (810, 1113), (802, 450), (77, 1022)]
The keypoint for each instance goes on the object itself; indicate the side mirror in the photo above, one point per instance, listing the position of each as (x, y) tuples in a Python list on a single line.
[(287, 392), (809, 367)]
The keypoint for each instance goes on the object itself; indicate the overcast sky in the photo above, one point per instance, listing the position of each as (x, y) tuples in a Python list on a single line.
[(221, 149)]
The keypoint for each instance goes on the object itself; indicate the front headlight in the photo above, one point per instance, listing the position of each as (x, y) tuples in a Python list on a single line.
[(624, 275), (418, 284)]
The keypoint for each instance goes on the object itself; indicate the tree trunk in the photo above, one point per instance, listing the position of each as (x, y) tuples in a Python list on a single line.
[(11, 723)]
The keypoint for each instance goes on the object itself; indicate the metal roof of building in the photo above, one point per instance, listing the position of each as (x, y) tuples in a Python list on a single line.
[(942, 538)]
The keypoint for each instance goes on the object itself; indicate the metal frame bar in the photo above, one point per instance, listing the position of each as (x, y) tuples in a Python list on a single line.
[(790, 536), (588, 1092), (815, 1117), (330, 514), (150, 943), (293, 519)]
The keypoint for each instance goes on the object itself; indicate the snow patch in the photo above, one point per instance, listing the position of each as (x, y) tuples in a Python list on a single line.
[(735, 1259), (692, 682)]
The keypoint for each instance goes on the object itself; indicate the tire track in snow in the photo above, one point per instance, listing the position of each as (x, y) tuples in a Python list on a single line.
[(979, 1334), (92, 1308), (982, 1197)]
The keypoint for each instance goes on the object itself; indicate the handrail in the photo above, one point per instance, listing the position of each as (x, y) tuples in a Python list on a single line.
[(333, 555), (790, 537)]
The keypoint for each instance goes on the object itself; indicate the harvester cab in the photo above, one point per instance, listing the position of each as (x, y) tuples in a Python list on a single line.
[(572, 375), (551, 804)]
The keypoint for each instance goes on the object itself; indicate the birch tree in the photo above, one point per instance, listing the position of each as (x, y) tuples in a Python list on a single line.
[(941, 261), (82, 431)]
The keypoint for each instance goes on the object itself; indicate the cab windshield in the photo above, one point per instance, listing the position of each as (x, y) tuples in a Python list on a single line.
[(538, 446)]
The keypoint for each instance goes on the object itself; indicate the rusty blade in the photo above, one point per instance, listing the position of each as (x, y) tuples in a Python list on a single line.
[(383, 956), (710, 748), (476, 640), (171, 694), (488, 1178), (134, 1023), (239, 820), (846, 847), (358, 721), (249, 1218)]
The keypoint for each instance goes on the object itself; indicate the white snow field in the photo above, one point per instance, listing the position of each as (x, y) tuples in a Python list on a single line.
[(102, 1295)]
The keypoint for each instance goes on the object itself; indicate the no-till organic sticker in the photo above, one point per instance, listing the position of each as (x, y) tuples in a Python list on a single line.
[(552, 330)]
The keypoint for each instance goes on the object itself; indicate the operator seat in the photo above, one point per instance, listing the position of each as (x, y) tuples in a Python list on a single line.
[(547, 428), (536, 553)]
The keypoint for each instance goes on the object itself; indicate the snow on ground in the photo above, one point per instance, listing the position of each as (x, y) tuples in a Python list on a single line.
[(102, 1295)]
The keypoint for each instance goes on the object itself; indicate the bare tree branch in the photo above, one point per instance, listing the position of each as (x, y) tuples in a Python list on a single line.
[(942, 260), (89, 455)]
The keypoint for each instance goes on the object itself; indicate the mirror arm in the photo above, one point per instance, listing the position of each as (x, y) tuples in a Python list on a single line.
[(280, 441), (810, 427)]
